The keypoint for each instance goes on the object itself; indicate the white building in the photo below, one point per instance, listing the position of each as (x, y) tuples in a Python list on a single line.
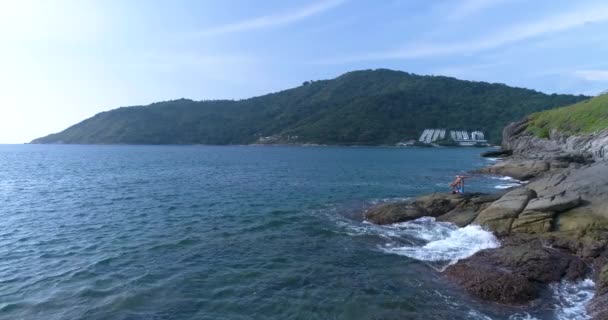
[(460, 137)]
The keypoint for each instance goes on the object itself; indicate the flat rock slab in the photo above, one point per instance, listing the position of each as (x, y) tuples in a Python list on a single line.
[(499, 216), (555, 203)]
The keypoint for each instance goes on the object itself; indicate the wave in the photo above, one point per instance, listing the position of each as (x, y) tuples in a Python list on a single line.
[(506, 185), (571, 299), (442, 241), (425, 239)]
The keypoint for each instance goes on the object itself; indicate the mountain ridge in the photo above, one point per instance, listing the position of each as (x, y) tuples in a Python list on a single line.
[(364, 107)]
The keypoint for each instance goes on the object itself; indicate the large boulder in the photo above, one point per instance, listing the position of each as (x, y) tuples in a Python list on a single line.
[(432, 205), (487, 282), (521, 169), (429, 205), (499, 216), (515, 272)]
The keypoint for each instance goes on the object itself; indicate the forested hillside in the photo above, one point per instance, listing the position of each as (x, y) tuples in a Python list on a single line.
[(369, 107)]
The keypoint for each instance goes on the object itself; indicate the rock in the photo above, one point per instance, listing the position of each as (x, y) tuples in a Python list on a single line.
[(497, 153), (489, 283), (512, 273), (533, 222), (460, 217), (555, 203), (582, 222), (520, 169), (432, 205), (499, 216), (602, 280), (597, 309), (394, 212), (429, 205)]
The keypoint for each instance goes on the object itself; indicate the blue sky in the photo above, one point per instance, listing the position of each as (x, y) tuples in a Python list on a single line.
[(63, 61)]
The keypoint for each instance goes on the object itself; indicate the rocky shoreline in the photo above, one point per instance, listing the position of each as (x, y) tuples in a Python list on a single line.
[(552, 228)]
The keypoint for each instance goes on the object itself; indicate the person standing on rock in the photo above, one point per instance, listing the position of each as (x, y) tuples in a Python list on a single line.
[(458, 184)]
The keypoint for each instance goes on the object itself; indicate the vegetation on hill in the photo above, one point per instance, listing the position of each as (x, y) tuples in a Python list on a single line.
[(583, 117), (370, 107)]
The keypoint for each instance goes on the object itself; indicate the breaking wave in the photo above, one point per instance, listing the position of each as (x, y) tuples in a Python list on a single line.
[(571, 299), (441, 241), (507, 182), (426, 239)]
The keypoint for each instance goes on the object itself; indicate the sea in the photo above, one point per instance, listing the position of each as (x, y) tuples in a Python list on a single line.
[(240, 232)]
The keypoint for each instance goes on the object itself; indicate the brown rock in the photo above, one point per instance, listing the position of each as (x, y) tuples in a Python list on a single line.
[(493, 284), (512, 273)]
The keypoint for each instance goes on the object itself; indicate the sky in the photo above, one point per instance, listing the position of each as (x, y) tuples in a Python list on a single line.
[(63, 61)]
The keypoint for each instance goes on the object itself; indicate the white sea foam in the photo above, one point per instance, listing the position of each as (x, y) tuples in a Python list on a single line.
[(507, 182), (506, 185), (440, 241), (571, 299)]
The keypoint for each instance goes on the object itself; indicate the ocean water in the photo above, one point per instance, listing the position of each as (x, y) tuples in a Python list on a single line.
[(245, 232)]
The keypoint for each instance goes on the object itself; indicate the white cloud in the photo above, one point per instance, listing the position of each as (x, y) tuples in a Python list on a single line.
[(273, 20), (468, 8), (592, 75), (509, 35)]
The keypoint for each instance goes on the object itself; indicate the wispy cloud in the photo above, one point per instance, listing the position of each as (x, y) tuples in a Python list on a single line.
[(468, 8), (592, 74), (273, 20), (509, 35)]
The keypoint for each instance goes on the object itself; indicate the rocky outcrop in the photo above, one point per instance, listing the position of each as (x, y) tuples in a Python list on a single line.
[(520, 169), (591, 147), (517, 271), (553, 228), (458, 208)]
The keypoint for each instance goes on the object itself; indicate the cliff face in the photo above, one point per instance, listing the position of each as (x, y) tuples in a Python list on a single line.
[(593, 146)]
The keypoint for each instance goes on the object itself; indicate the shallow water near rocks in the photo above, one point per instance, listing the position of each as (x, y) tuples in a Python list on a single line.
[(194, 232)]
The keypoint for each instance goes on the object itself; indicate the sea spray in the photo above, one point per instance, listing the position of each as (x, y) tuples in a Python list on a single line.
[(571, 299), (442, 241)]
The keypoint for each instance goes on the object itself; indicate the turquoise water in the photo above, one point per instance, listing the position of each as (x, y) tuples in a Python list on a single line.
[(194, 232)]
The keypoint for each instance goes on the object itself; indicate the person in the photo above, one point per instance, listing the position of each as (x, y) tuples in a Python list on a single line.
[(458, 184)]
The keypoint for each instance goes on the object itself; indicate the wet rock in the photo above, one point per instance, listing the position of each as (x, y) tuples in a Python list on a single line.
[(460, 217), (499, 216), (497, 153), (489, 283), (432, 205), (515, 272), (602, 280), (597, 309), (394, 212)]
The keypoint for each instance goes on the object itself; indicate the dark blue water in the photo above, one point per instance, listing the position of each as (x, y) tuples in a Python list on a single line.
[(161, 232)]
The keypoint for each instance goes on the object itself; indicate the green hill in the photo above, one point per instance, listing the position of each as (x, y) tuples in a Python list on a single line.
[(370, 107), (584, 117)]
